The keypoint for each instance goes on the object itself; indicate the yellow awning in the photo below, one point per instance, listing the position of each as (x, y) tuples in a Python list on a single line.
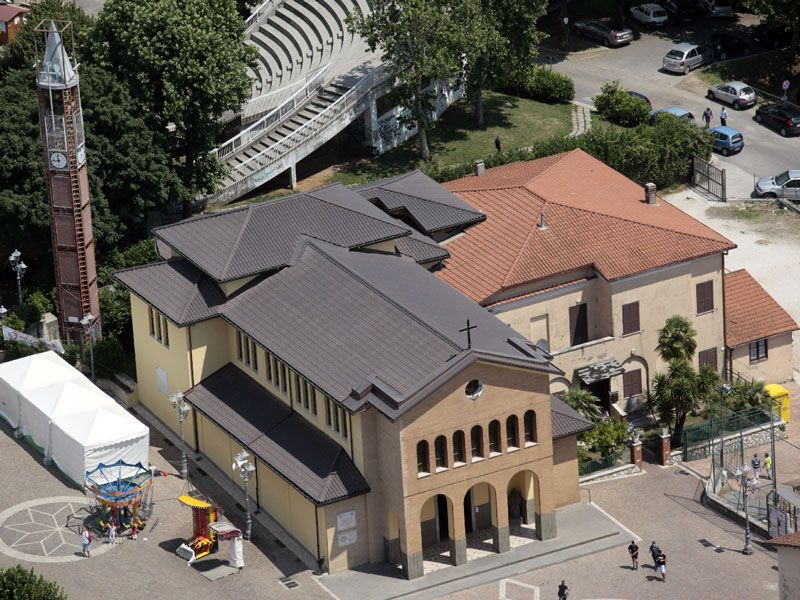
[(193, 502)]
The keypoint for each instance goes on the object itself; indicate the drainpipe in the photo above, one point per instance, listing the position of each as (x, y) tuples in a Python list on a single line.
[(191, 380), (724, 328)]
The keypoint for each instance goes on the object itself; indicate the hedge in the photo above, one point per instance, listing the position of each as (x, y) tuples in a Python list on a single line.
[(549, 86), (618, 106)]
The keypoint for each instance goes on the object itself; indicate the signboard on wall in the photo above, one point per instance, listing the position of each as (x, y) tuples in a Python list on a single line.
[(346, 520), (161, 378), (348, 537)]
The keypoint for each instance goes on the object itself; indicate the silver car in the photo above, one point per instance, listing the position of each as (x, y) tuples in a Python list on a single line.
[(684, 57), (716, 8), (785, 185), (736, 93), (605, 31)]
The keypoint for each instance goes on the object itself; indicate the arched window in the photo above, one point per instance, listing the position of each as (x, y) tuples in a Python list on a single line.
[(512, 432), (459, 453), (423, 460), (530, 427), (440, 451), (494, 437), (476, 441)]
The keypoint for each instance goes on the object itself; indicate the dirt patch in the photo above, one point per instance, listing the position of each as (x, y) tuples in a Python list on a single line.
[(770, 221)]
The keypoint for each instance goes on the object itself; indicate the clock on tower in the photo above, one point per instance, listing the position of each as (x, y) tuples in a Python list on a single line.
[(61, 121)]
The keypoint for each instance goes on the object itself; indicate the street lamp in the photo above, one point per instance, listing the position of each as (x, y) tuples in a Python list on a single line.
[(3, 313), (89, 323), (19, 268), (183, 410), (741, 473), (246, 470)]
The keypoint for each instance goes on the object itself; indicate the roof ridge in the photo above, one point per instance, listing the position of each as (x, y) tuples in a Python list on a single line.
[(237, 241), (406, 229), (384, 296), (473, 211), (524, 244), (562, 156)]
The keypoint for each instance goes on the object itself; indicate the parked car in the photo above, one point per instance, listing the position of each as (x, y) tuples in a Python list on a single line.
[(652, 15), (736, 93), (785, 118), (726, 45), (685, 56), (605, 31), (785, 185), (716, 8), (680, 10), (671, 110), (776, 34), (727, 140), (641, 96)]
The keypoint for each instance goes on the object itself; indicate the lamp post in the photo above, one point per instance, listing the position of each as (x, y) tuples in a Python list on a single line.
[(19, 268), (183, 410), (246, 470), (3, 313), (89, 323), (741, 473)]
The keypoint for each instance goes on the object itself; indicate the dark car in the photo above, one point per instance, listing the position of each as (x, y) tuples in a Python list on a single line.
[(785, 118), (726, 45), (680, 10), (640, 96), (777, 34), (605, 31)]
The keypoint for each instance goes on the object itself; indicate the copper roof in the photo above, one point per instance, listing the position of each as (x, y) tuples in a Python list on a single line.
[(594, 217), (750, 312)]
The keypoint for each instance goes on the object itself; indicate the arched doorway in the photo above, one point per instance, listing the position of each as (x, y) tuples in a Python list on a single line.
[(480, 519), (523, 501), (436, 522)]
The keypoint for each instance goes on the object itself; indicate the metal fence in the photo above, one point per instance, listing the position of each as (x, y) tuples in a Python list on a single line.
[(601, 464), (710, 178), (698, 440)]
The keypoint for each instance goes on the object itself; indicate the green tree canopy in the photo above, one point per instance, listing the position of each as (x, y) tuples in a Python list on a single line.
[(782, 9), (676, 340), (584, 401), (22, 584), (185, 63)]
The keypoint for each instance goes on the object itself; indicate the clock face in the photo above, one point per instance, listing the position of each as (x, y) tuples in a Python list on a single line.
[(81, 155), (58, 160)]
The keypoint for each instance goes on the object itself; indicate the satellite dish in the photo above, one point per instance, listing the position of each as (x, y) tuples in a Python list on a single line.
[(543, 345)]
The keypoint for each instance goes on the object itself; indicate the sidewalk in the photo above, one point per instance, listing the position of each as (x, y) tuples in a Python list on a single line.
[(582, 529)]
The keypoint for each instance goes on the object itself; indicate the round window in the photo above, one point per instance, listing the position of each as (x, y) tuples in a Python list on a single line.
[(474, 389)]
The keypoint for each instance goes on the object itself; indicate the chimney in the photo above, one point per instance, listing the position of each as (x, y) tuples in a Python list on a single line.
[(542, 225), (650, 193), (480, 168)]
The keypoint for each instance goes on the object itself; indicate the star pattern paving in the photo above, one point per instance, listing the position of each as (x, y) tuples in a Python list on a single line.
[(44, 530)]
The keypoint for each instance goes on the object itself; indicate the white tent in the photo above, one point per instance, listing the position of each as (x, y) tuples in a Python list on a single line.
[(72, 420)]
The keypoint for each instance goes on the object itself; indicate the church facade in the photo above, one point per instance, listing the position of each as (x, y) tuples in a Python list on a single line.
[(388, 416)]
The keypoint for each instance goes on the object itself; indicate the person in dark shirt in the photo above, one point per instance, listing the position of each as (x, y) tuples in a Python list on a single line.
[(633, 550), (654, 551), (563, 591), (661, 565), (498, 144)]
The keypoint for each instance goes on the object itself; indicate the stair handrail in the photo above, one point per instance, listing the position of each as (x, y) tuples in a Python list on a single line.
[(334, 110), (255, 16), (272, 117)]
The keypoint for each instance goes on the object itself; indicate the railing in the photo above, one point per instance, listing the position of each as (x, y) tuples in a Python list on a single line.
[(592, 466), (260, 11), (272, 117), (264, 102), (709, 177)]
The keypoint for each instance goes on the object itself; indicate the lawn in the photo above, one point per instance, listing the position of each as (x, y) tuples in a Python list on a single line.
[(763, 71), (455, 139)]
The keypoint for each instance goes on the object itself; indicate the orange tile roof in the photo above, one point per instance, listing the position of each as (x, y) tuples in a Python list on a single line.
[(594, 216), (750, 312), (789, 539)]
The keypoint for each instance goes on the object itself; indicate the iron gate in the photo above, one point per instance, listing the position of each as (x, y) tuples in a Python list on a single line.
[(709, 177)]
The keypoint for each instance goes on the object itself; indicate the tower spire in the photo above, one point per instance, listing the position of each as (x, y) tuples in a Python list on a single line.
[(56, 71)]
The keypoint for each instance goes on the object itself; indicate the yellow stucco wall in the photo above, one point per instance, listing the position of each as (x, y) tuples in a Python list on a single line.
[(789, 572), (565, 471), (351, 553), (776, 368), (208, 354), (217, 445)]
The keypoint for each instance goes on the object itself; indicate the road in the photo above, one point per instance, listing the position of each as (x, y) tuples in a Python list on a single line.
[(637, 67)]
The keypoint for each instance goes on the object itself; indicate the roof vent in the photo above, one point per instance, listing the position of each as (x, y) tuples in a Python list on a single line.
[(480, 168), (650, 193), (542, 225)]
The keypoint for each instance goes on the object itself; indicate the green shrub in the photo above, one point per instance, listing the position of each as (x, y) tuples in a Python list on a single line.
[(41, 302), (15, 350), (617, 106), (28, 313), (14, 322), (22, 584), (607, 437), (109, 356), (550, 86)]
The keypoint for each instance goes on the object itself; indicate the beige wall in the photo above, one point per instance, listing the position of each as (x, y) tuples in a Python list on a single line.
[(789, 572), (350, 554), (660, 293), (208, 354), (565, 471), (776, 368)]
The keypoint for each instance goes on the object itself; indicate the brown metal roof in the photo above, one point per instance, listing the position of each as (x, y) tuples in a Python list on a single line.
[(566, 420), (299, 452), (750, 312), (594, 218)]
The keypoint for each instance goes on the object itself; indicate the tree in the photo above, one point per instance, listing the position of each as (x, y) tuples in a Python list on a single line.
[(22, 584), (618, 106), (185, 63), (676, 340), (421, 40), (607, 436), (788, 10), (584, 401)]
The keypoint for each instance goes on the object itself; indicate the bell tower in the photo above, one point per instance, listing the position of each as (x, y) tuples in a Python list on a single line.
[(61, 122)]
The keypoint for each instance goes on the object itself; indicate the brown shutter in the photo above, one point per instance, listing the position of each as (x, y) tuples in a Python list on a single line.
[(630, 318), (578, 325), (708, 357), (705, 296), (632, 383)]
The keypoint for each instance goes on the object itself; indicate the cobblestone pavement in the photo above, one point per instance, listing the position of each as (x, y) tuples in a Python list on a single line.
[(702, 548)]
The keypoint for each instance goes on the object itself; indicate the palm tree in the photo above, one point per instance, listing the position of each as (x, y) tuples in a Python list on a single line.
[(584, 401), (676, 340)]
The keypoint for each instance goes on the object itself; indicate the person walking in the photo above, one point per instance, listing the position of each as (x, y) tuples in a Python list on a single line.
[(768, 465), (661, 565), (707, 116), (112, 533), (756, 464), (563, 591), (654, 552), (86, 542), (498, 144), (723, 117), (633, 550)]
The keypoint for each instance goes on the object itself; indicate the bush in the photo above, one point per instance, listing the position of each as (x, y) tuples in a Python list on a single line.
[(550, 86), (15, 350), (28, 313), (41, 302), (607, 437), (14, 322), (23, 584), (617, 106), (109, 356)]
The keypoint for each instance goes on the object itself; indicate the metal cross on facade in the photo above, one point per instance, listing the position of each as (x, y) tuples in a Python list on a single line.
[(468, 329)]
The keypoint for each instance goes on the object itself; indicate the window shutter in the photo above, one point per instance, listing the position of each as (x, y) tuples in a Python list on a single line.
[(705, 296), (708, 357), (630, 318), (578, 325), (632, 383)]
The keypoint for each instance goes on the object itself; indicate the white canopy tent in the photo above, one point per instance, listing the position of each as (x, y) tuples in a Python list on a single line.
[(69, 418)]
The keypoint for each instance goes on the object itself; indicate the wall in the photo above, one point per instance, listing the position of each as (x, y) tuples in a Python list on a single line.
[(565, 471), (208, 354), (777, 368), (349, 553), (789, 572), (217, 445)]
